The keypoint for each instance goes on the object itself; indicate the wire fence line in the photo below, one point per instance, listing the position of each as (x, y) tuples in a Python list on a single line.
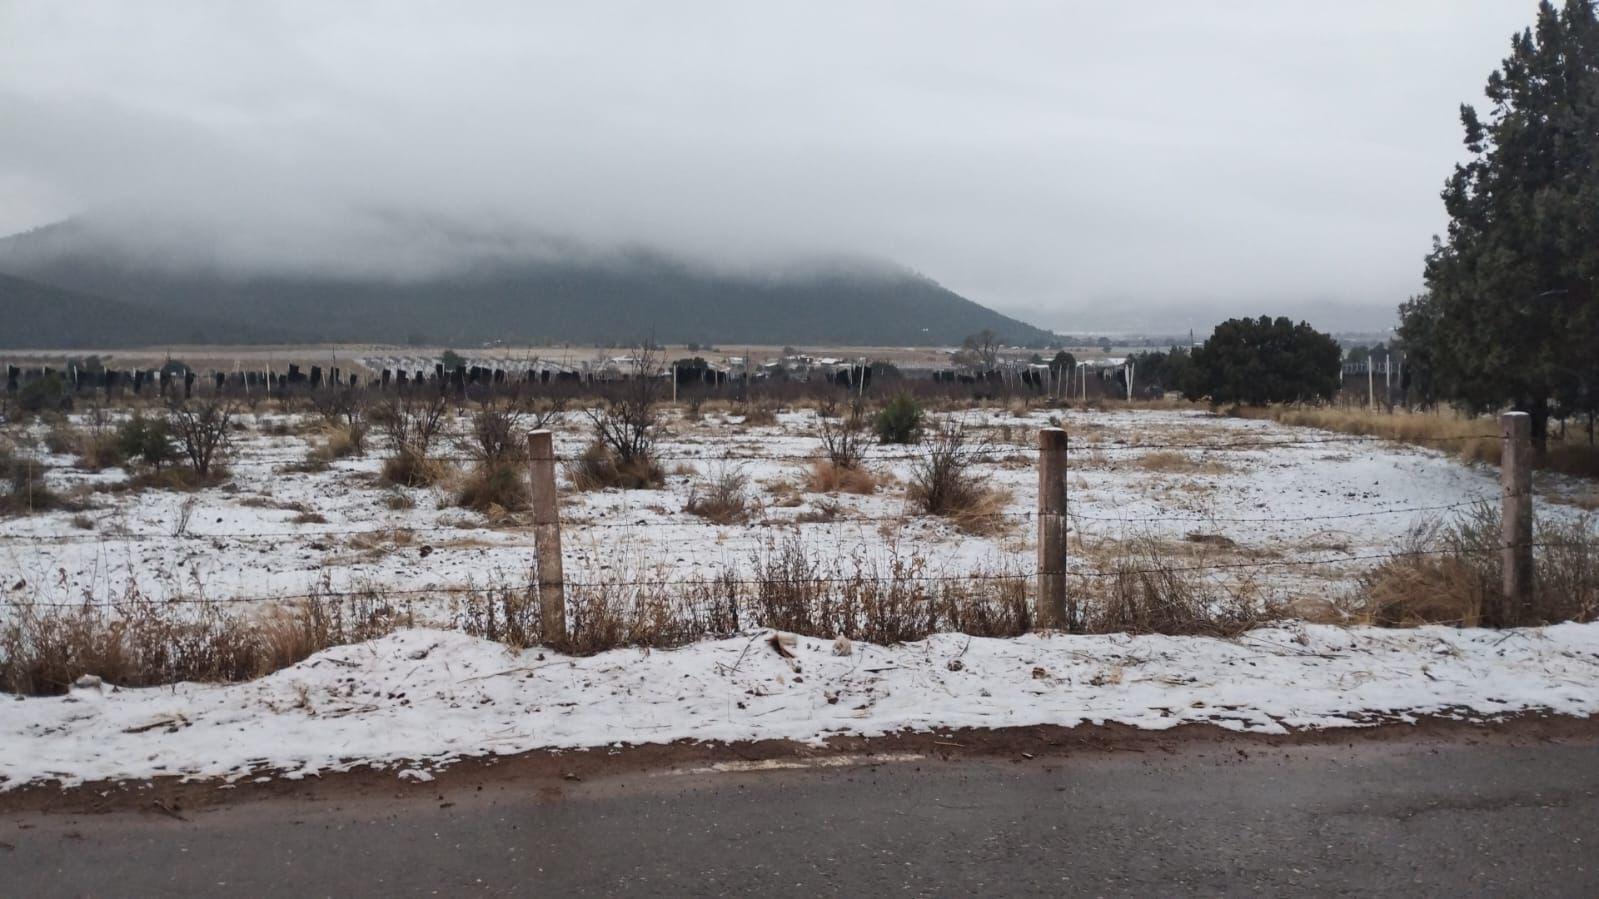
[(980, 453), (692, 521), (376, 592)]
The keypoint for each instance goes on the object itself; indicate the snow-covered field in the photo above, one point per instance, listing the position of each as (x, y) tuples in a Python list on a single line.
[(1285, 496), (1306, 509), (421, 698)]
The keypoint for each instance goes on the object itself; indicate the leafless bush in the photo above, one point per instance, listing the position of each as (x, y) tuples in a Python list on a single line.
[(345, 409), (412, 423), (845, 442), (943, 480), (203, 431), (723, 496), (495, 436), (628, 415)]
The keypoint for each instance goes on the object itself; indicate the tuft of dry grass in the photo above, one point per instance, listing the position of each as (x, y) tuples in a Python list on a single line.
[(1449, 572), (758, 416), (1172, 462), (830, 477), (722, 497), (599, 468), (407, 468), (494, 486)]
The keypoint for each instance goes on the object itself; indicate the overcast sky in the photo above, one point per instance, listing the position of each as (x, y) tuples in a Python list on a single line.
[(1034, 156)]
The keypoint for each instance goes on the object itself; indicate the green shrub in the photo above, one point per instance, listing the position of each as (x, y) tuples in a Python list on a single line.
[(900, 421), (147, 440)]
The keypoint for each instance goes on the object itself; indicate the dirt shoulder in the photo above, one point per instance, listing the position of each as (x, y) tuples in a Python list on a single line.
[(548, 773)]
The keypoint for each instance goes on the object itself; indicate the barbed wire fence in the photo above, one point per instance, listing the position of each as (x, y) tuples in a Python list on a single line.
[(1056, 518)]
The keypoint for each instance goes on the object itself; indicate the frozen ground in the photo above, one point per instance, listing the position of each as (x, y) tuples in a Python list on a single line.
[(1287, 495), (421, 698)]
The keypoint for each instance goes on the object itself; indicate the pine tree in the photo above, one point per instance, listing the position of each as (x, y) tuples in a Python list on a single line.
[(1509, 316)]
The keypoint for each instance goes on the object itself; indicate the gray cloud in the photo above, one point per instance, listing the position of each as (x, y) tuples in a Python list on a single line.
[(1040, 156)]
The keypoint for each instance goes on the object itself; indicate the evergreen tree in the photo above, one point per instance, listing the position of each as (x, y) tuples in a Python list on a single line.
[(1259, 361), (1510, 315)]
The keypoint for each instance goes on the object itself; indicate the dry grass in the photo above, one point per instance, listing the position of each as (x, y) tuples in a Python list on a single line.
[(721, 497), (1449, 573), (830, 477), (599, 468), (494, 487), (1148, 585), (758, 416), (135, 642), (410, 469), (1172, 462), (1474, 439)]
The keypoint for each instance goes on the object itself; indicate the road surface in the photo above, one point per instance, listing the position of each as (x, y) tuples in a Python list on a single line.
[(1460, 815)]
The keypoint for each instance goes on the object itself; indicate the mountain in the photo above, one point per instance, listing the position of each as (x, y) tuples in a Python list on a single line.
[(39, 316), (487, 290)]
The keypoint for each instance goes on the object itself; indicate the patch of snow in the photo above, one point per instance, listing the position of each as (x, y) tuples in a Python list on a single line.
[(426, 697)]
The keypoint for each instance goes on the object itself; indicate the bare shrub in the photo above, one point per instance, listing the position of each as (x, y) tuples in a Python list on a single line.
[(628, 415), (202, 431), (944, 482), (344, 411), (723, 496), (845, 442), (412, 423), (494, 436)]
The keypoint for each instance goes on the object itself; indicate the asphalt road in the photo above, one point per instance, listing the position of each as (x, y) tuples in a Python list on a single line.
[(1425, 818)]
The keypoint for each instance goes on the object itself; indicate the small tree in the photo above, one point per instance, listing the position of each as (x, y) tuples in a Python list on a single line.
[(412, 423), (1511, 311), (452, 360), (627, 417), (980, 350), (202, 429), (844, 441), (147, 440), (900, 421), (1264, 360)]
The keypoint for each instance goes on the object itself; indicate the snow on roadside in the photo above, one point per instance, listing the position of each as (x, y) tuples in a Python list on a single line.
[(433, 696)]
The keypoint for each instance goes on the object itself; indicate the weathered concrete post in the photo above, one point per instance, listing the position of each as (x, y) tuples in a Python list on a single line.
[(547, 536), (1515, 491), (1052, 529)]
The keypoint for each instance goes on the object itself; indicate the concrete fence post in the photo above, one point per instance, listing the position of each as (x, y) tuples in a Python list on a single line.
[(547, 536), (1052, 529), (1515, 491)]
